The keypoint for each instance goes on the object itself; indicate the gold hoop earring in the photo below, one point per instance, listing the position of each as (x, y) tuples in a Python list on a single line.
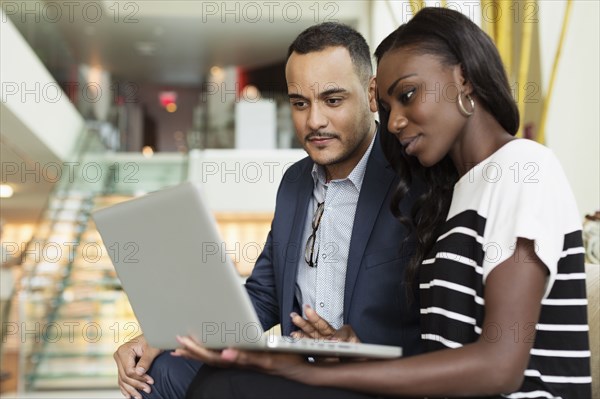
[(462, 108)]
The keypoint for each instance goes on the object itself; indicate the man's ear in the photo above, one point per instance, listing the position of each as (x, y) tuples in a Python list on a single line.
[(372, 94)]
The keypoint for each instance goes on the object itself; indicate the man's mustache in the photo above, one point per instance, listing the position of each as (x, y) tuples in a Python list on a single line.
[(321, 135)]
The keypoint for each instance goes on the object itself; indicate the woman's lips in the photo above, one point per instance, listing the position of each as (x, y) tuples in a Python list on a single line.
[(410, 143)]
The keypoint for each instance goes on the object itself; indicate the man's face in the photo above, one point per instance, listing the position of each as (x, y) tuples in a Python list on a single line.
[(331, 108)]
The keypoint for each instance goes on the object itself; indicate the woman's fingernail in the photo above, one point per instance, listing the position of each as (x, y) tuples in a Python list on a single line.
[(229, 354)]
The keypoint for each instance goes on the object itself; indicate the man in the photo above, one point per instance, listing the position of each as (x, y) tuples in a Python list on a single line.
[(334, 244)]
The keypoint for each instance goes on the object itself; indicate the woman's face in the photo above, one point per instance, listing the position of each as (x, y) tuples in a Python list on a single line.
[(420, 93)]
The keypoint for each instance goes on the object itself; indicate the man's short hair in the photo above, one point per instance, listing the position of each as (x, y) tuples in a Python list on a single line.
[(332, 34)]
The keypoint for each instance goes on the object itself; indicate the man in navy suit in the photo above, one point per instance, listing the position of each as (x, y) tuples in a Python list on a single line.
[(333, 263)]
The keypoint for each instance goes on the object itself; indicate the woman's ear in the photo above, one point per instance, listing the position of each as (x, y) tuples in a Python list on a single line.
[(461, 80), (372, 94)]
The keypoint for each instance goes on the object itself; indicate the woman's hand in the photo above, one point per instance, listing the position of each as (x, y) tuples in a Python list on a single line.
[(192, 350), (286, 365), (281, 364)]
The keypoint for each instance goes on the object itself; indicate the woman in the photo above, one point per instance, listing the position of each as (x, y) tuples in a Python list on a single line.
[(500, 259)]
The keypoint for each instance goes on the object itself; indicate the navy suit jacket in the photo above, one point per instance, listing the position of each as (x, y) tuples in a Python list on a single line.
[(376, 303)]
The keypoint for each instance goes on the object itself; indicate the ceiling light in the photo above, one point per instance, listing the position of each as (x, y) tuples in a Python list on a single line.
[(218, 73), (6, 191), (251, 93), (147, 151)]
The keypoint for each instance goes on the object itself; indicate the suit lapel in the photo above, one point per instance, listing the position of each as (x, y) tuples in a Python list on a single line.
[(376, 184), (295, 246)]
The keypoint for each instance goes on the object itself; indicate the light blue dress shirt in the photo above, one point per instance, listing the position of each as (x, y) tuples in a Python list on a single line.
[(322, 287)]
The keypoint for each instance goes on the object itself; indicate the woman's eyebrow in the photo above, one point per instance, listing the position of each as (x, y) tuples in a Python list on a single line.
[(390, 89)]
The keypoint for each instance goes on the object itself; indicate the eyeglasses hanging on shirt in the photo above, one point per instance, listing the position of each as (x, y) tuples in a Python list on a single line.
[(309, 251)]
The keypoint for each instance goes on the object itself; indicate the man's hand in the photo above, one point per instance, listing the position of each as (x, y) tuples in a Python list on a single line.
[(314, 326), (133, 359)]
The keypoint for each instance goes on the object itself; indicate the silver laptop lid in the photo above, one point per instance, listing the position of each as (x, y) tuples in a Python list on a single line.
[(173, 266)]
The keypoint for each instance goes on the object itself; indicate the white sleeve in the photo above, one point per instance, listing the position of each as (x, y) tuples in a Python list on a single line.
[(536, 204)]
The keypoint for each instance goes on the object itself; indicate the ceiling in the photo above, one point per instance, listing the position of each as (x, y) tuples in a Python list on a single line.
[(159, 42), (171, 42)]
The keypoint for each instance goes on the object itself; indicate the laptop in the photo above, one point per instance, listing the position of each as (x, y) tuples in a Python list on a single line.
[(174, 267)]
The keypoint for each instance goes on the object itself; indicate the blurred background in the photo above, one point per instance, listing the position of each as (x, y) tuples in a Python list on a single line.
[(106, 100)]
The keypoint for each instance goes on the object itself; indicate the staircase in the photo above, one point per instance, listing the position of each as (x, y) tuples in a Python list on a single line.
[(68, 291), (69, 312), (72, 311)]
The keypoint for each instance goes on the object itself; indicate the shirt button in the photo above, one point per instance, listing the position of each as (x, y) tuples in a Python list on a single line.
[(322, 304), (324, 256)]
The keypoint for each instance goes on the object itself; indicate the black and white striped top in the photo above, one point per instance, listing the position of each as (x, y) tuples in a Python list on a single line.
[(519, 191)]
